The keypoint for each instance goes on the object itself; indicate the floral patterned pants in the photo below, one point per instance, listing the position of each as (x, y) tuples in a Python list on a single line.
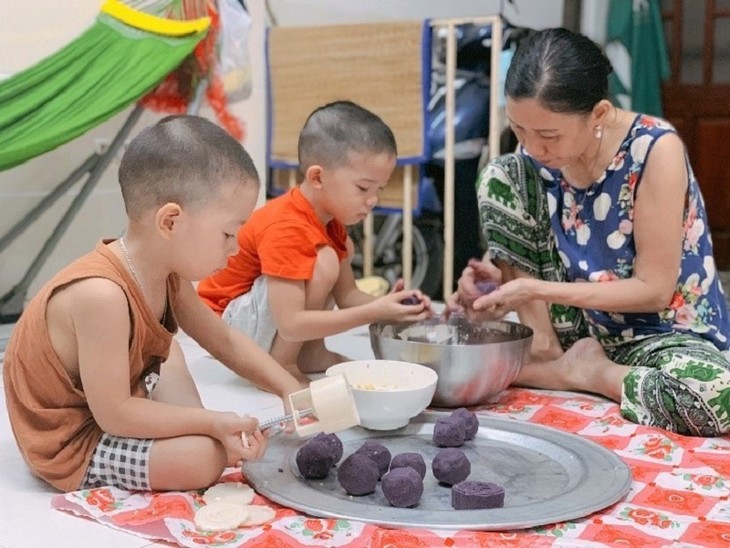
[(678, 382)]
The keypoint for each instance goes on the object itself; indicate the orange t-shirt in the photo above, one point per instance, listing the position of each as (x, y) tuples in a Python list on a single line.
[(50, 417), (281, 239)]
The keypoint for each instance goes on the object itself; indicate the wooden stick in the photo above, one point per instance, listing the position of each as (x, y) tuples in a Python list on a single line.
[(494, 124), (292, 178), (407, 249), (449, 160)]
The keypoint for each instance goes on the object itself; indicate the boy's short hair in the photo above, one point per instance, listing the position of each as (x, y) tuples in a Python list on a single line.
[(181, 159), (336, 129)]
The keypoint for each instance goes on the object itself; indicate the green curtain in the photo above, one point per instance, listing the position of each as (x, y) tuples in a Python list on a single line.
[(635, 27), (100, 73)]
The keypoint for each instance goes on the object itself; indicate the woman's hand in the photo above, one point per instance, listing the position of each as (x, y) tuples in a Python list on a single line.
[(477, 279), (505, 298)]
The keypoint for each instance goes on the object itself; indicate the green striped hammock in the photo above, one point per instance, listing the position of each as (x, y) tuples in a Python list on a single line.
[(122, 56)]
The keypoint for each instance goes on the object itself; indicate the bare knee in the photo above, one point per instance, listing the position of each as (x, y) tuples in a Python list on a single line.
[(325, 275), (187, 463), (510, 272)]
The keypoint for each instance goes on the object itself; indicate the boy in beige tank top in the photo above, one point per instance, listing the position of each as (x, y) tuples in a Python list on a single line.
[(97, 390)]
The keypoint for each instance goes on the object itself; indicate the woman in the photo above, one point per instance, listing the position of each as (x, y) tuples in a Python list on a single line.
[(603, 196)]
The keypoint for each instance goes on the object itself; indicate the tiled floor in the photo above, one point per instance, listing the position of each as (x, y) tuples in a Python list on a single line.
[(26, 519)]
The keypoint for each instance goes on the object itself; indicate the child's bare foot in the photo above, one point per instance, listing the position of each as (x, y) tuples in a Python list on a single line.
[(584, 367), (316, 358), (324, 360)]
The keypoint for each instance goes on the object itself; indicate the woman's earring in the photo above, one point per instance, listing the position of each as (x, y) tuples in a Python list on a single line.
[(599, 132)]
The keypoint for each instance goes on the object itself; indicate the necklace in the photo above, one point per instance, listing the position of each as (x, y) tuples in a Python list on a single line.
[(128, 259), (130, 265)]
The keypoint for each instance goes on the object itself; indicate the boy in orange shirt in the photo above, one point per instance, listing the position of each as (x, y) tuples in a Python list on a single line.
[(294, 260), (97, 390)]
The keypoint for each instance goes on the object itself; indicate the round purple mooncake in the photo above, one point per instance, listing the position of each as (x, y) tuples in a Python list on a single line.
[(473, 495), (471, 422), (412, 460), (412, 300), (450, 466), (332, 442), (314, 460), (403, 487), (449, 432), (378, 453), (358, 475)]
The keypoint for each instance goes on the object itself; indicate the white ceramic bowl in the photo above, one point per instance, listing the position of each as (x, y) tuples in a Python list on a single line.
[(387, 393)]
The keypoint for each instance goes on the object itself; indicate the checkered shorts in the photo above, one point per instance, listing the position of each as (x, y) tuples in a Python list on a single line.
[(119, 462)]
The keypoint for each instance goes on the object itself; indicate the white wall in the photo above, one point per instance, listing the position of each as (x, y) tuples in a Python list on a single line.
[(32, 30), (529, 13), (593, 19), (29, 32)]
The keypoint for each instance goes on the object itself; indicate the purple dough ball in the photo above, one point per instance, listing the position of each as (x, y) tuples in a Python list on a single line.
[(411, 300), (358, 475), (402, 487), (314, 460), (377, 452), (449, 432), (485, 288), (451, 466), (473, 495), (412, 460), (471, 422), (332, 442)]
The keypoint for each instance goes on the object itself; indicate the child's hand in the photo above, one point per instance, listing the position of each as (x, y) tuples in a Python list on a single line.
[(231, 430), (254, 446), (403, 306)]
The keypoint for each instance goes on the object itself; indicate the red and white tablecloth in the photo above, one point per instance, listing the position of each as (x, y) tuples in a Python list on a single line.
[(679, 494)]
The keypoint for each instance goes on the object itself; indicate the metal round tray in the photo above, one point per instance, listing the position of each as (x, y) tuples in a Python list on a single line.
[(549, 476)]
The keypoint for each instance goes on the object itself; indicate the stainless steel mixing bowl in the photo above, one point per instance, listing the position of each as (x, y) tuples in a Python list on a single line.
[(473, 362)]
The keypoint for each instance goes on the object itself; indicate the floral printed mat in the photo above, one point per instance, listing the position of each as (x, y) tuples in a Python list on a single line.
[(679, 494)]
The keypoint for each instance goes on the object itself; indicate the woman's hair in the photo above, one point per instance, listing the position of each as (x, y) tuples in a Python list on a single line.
[(334, 130), (182, 159), (565, 71)]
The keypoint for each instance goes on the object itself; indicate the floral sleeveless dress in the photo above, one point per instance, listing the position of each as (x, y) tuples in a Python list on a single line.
[(534, 220), (594, 232)]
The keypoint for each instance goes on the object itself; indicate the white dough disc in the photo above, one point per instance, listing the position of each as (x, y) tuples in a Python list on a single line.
[(220, 516), (236, 493), (258, 515)]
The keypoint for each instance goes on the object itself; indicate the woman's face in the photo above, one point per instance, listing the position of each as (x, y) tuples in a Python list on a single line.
[(555, 139)]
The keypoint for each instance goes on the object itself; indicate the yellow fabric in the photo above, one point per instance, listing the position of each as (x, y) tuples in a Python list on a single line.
[(151, 23), (373, 285)]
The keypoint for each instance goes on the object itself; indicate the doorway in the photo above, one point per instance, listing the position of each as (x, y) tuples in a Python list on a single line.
[(697, 102)]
